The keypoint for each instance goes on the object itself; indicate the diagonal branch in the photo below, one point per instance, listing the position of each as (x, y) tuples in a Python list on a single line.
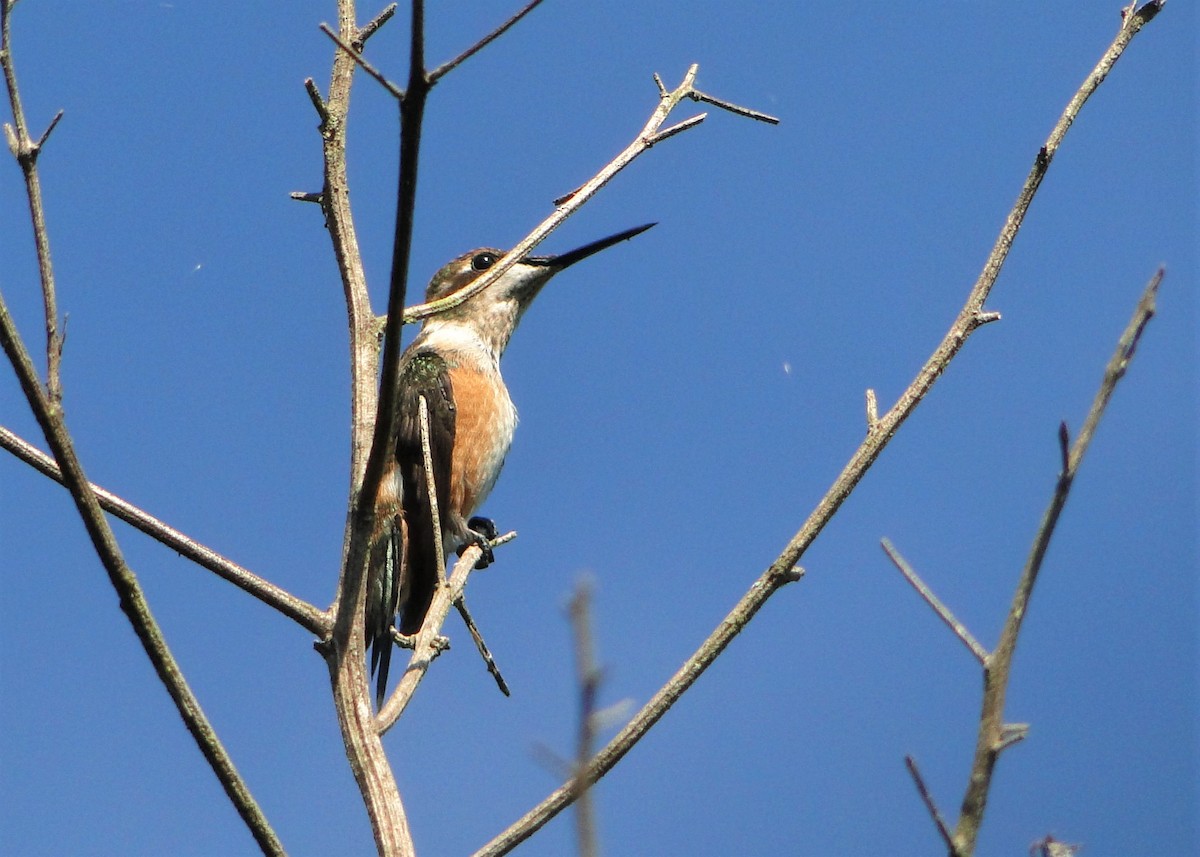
[(930, 805), (300, 611), (47, 409), (959, 629), (568, 205), (994, 735), (784, 569), (445, 68)]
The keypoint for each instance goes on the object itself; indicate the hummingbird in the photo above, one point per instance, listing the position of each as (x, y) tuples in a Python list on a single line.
[(454, 363)]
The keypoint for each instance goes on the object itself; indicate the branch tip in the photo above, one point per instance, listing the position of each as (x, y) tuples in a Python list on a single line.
[(46, 134), (370, 28), (318, 102), (930, 804), (444, 69)]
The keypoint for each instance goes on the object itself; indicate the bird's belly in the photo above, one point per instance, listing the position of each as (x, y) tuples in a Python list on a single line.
[(485, 421)]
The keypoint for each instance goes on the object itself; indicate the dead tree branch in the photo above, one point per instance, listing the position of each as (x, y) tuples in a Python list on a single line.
[(313, 619), (46, 404), (994, 734), (784, 569)]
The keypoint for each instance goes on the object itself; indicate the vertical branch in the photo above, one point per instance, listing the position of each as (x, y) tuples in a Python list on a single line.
[(589, 687), (26, 150), (344, 651)]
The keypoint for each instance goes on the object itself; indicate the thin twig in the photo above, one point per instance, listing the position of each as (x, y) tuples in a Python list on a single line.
[(994, 734), (959, 629), (930, 805), (26, 152), (697, 95), (429, 642), (435, 515), (784, 569), (481, 646), (446, 68), (363, 63), (315, 620), (571, 203)]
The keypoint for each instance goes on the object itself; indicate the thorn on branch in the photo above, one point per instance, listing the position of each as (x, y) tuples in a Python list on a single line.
[(872, 411), (301, 196), (982, 318)]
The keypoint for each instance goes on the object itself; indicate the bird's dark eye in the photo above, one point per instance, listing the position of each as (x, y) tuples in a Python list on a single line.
[(482, 261)]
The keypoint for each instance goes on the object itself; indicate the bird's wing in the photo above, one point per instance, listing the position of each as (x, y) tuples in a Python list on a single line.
[(404, 570), (425, 375)]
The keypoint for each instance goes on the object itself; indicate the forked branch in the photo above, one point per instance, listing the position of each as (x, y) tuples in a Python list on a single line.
[(784, 569), (46, 406), (994, 734)]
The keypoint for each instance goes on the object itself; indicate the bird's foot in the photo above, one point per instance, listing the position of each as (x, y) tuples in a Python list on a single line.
[(481, 531)]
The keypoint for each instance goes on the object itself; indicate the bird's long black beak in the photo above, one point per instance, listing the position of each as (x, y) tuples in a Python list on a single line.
[(570, 258)]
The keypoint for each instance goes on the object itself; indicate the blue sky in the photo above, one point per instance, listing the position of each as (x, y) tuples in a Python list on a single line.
[(685, 400)]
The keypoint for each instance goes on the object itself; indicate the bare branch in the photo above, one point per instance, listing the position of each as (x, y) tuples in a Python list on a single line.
[(959, 629), (588, 676), (129, 591), (429, 642), (697, 95), (571, 203), (481, 646), (317, 621), (344, 652), (994, 734), (930, 805), (47, 409), (380, 78), (318, 103), (444, 69), (26, 152), (371, 27), (783, 570)]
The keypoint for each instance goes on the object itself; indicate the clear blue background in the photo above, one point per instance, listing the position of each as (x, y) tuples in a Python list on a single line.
[(665, 448)]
